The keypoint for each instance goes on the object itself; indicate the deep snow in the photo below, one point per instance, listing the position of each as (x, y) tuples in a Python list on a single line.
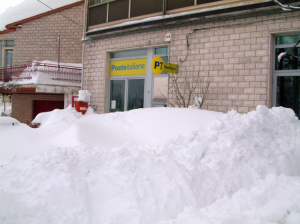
[(156, 165)]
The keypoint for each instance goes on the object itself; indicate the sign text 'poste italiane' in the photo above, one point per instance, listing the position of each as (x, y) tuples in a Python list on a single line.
[(158, 66), (128, 67)]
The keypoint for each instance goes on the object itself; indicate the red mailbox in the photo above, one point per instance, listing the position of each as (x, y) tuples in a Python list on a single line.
[(81, 106)]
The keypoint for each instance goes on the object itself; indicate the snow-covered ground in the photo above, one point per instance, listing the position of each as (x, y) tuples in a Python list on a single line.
[(156, 165)]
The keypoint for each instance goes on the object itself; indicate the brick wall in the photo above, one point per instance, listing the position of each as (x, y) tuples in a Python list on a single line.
[(236, 54), (37, 40), (22, 104)]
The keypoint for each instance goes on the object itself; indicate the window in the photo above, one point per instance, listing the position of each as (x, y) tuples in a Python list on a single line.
[(94, 2), (286, 76), (103, 11), (97, 15), (175, 4), (118, 10), (126, 54), (6, 53), (145, 7)]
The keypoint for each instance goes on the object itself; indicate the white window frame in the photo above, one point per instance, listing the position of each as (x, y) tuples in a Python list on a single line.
[(3, 52), (278, 73)]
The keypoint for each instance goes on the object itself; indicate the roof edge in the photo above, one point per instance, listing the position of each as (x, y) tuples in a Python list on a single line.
[(16, 25)]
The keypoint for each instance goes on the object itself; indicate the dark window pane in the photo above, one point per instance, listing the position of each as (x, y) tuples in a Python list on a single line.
[(287, 62), (118, 10), (287, 39), (288, 93), (144, 7), (175, 4), (205, 1), (117, 95), (9, 43), (97, 15), (135, 93)]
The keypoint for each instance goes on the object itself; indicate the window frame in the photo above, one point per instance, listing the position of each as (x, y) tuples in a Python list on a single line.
[(280, 73), (4, 48)]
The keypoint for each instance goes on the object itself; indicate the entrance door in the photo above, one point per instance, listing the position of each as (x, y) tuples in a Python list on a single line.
[(135, 94), (40, 106), (126, 94)]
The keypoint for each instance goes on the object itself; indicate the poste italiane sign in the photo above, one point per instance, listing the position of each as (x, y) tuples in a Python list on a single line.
[(158, 66), (128, 67)]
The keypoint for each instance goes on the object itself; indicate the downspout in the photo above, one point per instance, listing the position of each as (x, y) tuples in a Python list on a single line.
[(83, 44)]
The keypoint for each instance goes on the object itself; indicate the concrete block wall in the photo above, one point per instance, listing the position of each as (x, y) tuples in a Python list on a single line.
[(37, 39), (235, 54), (22, 104)]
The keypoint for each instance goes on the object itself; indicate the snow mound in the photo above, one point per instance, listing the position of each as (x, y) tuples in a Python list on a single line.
[(142, 126), (238, 169), (8, 121), (59, 119)]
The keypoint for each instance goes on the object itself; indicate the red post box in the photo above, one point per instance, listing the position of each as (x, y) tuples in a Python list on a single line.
[(81, 106)]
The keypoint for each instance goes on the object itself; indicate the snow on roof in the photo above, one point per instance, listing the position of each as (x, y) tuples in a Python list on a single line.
[(24, 9), (42, 77)]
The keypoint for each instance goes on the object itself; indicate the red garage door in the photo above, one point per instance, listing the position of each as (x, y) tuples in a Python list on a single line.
[(40, 106)]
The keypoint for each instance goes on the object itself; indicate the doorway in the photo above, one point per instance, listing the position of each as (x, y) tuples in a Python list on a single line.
[(126, 94)]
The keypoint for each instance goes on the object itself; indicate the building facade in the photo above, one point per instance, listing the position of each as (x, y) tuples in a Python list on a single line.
[(54, 36), (230, 43)]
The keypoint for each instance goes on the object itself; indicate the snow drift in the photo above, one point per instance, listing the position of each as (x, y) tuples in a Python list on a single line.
[(236, 169)]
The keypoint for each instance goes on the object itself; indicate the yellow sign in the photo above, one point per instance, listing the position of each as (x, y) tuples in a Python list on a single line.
[(128, 67), (158, 66)]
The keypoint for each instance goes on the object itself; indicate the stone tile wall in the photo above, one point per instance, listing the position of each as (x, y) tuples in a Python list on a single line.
[(235, 54)]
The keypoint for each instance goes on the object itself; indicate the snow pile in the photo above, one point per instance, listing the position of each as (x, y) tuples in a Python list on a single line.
[(83, 95), (8, 121), (58, 120), (237, 169)]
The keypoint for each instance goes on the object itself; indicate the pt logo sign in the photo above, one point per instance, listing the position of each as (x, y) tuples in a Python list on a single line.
[(158, 66)]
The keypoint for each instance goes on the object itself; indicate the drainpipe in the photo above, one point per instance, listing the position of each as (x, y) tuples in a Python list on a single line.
[(58, 51), (83, 43)]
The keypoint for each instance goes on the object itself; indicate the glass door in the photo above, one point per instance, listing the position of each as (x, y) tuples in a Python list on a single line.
[(117, 95), (135, 94), (126, 94)]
